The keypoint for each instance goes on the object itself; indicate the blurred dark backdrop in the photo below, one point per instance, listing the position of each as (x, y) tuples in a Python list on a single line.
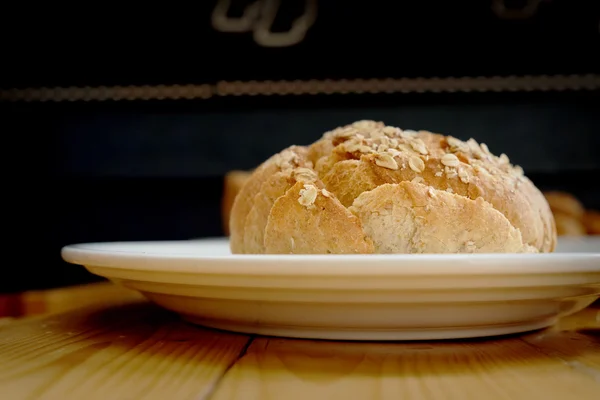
[(119, 123)]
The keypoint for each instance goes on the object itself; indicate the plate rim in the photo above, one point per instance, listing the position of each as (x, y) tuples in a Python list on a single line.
[(92, 255)]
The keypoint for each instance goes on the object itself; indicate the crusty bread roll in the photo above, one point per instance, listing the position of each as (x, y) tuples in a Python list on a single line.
[(567, 225), (371, 188), (232, 184), (565, 203), (591, 220)]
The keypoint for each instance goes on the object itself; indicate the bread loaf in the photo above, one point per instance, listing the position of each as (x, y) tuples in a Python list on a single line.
[(564, 203), (567, 225), (591, 220), (232, 184), (570, 215), (370, 188)]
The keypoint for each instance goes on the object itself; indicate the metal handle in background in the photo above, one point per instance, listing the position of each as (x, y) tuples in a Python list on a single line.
[(263, 35), (259, 16), (221, 22), (527, 11)]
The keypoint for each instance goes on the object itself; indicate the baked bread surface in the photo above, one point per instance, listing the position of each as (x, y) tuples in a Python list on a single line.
[(232, 184), (565, 203), (371, 188), (591, 220)]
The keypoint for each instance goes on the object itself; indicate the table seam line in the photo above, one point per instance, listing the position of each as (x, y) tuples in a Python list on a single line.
[(212, 389), (576, 366)]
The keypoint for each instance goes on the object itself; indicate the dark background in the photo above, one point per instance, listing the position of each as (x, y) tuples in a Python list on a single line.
[(82, 166)]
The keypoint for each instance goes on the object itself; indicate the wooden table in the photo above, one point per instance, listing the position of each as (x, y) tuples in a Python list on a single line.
[(101, 341)]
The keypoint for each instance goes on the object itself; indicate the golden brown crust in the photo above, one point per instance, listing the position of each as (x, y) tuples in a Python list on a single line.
[(414, 218), (363, 156), (591, 220), (243, 203), (271, 189), (565, 203), (322, 225), (283, 161), (233, 183), (567, 225)]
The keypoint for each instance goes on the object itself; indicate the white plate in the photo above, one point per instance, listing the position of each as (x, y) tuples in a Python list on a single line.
[(364, 297), (578, 244)]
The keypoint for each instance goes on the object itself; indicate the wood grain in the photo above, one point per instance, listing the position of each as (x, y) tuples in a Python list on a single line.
[(574, 340), (135, 351), (125, 348), (37, 302), (498, 369), (558, 363)]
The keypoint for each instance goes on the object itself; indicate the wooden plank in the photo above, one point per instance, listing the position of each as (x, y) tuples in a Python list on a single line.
[(475, 369), (36, 302), (126, 348), (131, 351), (574, 340), (10, 305)]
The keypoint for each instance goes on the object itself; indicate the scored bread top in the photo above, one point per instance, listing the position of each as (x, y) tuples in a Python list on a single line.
[(371, 188)]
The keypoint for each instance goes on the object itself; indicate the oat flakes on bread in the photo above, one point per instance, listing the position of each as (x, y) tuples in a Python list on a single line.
[(371, 188)]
